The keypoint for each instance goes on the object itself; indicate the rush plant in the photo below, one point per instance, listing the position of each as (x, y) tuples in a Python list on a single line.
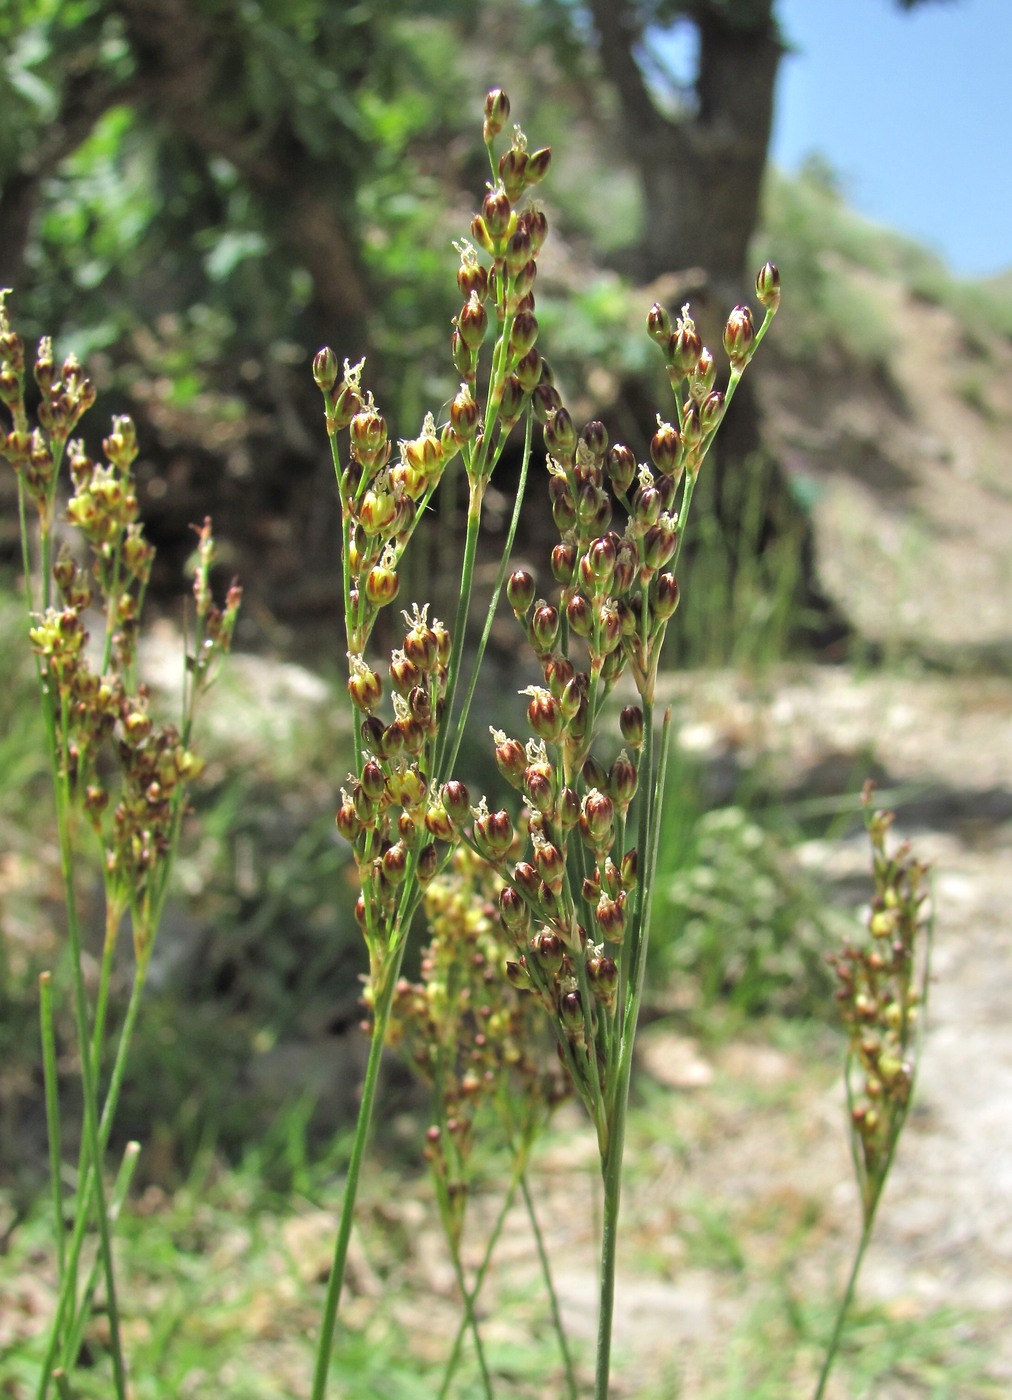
[(536, 898), (570, 846), (120, 780)]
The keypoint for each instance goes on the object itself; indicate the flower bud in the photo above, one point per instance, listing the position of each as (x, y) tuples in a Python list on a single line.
[(559, 671), (472, 277), (536, 226), (659, 543), (510, 759), (602, 974), (597, 819), (496, 211), (597, 567), (537, 165), (658, 324), (629, 869), (524, 333), (546, 399), (511, 171), (664, 597), (739, 336), (550, 865), (563, 505), (512, 401), (364, 686), (493, 834), (465, 414), (767, 286), (347, 820), (665, 448), (560, 435), (621, 467), (539, 788), (594, 439), (428, 863), (568, 810), (520, 591), (702, 377), (622, 781), (711, 411), (472, 322), (579, 615), (381, 586), (368, 431), (544, 628), (549, 950), (684, 347), (527, 880), (455, 800), (544, 714), (514, 911), (528, 370), (438, 822), (497, 111), (571, 1013), (395, 863), (631, 724), (517, 976), (564, 563), (325, 369)]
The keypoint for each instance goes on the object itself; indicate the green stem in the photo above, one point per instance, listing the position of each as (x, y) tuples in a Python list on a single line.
[(52, 1112), (844, 1308), (65, 1298), (90, 1143), (479, 1279), (553, 1300), (476, 493), (612, 1161), (493, 603), (381, 1020), (120, 1188), (469, 1323)]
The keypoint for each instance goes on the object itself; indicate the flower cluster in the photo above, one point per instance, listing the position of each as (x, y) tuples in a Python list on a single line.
[(575, 893), (127, 773), (468, 1033), (387, 811), (66, 394), (882, 989)]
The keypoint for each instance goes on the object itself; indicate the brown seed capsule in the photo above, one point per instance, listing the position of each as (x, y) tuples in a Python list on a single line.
[(544, 628), (658, 324), (497, 111), (767, 286), (493, 834), (621, 467), (514, 911), (544, 714), (739, 336)]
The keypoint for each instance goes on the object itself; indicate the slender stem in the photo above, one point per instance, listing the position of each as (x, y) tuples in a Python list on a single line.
[(553, 1300), (493, 602), (612, 1161), (49, 1070), (479, 1279), (65, 1298), (469, 1323), (381, 1020), (841, 1315), (121, 1186), (91, 1135), (476, 492)]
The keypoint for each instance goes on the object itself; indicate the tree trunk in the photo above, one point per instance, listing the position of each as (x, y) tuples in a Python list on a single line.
[(700, 170)]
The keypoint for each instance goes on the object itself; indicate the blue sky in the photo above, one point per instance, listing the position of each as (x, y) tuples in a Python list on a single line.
[(914, 112)]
